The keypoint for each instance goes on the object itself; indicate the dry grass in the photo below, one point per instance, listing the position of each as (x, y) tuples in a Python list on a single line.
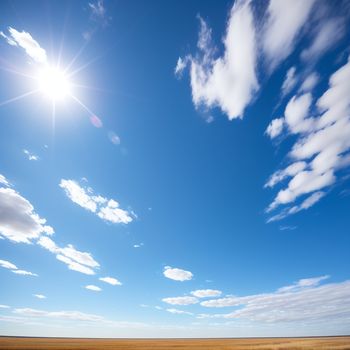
[(322, 343)]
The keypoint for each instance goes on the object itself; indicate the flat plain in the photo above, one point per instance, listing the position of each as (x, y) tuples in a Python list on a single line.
[(319, 343)]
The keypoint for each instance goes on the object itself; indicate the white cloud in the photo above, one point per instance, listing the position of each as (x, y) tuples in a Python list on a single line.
[(291, 170), (327, 34), (18, 220), (64, 315), (99, 12), (310, 82), (7, 265), (75, 260), (322, 145), (111, 280), (138, 245), (181, 300), (285, 20), (106, 209), (4, 306), (30, 155), (24, 273), (296, 112), (275, 128), (78, 195), (179, 312), (8, 39), (177, 274), (180, 66), (230, 81), (305, 301), (289, 81), (205, 293), (39, 296), (4, 181), (26, 41), (93, 288)]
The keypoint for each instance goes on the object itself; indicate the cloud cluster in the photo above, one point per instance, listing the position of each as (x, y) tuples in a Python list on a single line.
[(8, 265), (75, 260), (231, 81), (305, 301), (177, 274), (25, 41), (322, 146), (104, 208)]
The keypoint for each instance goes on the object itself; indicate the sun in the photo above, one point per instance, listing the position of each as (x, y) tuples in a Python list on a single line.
[(54, 83)]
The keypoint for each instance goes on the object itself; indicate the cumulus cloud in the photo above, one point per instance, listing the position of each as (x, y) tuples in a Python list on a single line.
[(93, 288), (30, 156), (187, 300), (75, 260), (285, 20), (305, 301), (25, 41), (230, 81), (18, 220), (322, 145), (206, 293), (177, 274), (104, 208), (110, 280)]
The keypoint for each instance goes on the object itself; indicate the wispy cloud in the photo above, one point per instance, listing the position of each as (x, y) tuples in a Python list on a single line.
[(8, 265), (179, 312), (104, 208), (186, 300), (177, 274), (4, 181), (285, 20), (206, 293), (39, 296), (25, 41), (93, 288), (110, 280), (75, 260), (30, 155), (305, 301)]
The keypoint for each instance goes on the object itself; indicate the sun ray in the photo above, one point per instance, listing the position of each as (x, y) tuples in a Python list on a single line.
[(82, 105), (18, 97)]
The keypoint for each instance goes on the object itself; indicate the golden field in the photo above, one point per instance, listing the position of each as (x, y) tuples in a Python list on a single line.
[(321, 343)]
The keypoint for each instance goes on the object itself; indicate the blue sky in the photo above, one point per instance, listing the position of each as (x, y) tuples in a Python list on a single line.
[(173, 169)]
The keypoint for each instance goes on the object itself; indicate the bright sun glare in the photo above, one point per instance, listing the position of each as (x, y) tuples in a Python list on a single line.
[(54, 83)]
